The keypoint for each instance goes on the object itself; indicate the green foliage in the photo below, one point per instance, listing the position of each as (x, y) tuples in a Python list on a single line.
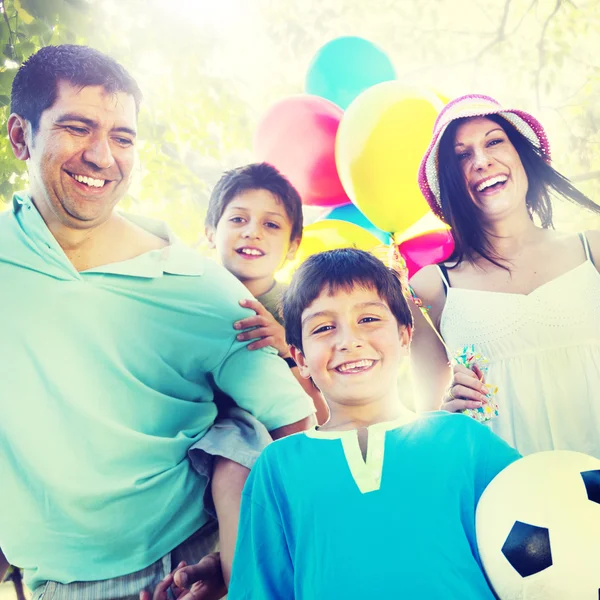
[(210, 69)]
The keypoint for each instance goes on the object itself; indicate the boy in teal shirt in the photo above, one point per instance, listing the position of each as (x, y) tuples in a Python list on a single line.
[(378, 502)]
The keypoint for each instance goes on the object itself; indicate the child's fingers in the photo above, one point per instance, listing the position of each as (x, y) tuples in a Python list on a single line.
[(266, 341), (254, 321), (255, 334), (255, 305)]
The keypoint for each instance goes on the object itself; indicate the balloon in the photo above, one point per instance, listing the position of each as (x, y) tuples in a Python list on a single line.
[(426, 249), (351, 214), (380, 142), (345, 67), (328, 235), (427, 223), (297, 136)]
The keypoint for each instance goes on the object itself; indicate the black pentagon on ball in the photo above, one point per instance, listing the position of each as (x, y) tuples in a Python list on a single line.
[(591, 479), (527, 548)]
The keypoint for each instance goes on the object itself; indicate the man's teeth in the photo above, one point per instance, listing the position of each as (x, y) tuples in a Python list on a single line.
[(89, 181), (490, 182), (352, 366), (251, 252)]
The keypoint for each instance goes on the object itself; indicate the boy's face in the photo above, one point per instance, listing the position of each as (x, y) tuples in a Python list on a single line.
[(252, 236), (352, 347)]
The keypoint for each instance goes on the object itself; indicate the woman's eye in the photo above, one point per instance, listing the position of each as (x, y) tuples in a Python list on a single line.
[(495, 142), (462, 155)]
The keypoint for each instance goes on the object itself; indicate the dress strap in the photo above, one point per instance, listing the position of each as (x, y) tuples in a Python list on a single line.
[(444, 275), (586, 245)]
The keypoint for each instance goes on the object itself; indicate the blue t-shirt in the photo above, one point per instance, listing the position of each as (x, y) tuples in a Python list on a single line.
[(318, 521), (106, 380)]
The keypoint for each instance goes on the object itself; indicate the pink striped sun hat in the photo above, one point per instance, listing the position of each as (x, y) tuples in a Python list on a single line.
[(472, 105)]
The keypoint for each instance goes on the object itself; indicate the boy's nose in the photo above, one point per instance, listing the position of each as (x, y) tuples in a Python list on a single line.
[(251, 232)]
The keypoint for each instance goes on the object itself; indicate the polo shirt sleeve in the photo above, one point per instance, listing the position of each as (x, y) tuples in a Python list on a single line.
[(262, 565), (258, 381)]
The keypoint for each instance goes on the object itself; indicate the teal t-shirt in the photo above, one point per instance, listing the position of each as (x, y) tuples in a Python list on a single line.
[(106, 380), (319, 521)]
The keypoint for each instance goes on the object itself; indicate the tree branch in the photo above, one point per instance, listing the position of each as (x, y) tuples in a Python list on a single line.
[(542, 52), (10, 33)]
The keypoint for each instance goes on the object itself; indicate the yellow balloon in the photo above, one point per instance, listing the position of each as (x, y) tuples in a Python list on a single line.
[(379, 145), (328, 235)]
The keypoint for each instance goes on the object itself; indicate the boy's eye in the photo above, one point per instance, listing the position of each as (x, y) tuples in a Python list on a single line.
[(236, 220), (369, 320), (322, 329), (272, 225)]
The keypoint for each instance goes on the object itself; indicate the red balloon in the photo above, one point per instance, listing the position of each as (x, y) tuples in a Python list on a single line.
[(297, 136), (427, 249)]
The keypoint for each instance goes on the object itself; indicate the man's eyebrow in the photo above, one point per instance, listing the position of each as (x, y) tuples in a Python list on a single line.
[(91, 123)]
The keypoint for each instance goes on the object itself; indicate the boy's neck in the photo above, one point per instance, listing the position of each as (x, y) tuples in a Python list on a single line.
[(258, 287), (345, 417)]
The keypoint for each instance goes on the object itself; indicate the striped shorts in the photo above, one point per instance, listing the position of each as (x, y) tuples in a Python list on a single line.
[(128, 587)]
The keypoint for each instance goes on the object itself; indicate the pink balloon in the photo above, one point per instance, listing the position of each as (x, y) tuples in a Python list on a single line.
[(427, 249), (297, 136)]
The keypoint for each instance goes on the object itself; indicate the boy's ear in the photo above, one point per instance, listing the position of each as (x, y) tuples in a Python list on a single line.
[(405, 332), (291, 253), (298, 356), (18, 132), (210, 233)]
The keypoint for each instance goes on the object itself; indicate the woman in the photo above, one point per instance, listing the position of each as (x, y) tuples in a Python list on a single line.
[(527, 296)]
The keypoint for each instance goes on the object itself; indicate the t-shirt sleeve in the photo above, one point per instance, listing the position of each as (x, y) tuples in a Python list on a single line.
[(258, 381), (262, 565), (494, 456)]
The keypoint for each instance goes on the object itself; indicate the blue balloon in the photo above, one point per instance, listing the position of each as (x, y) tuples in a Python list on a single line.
[(345, 67), (351, 214)]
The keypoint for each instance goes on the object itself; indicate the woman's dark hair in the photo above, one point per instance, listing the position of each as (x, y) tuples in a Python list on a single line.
[(466, 219), (342, 269)]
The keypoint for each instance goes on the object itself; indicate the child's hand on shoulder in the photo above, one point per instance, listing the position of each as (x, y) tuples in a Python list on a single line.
[(270, 332)]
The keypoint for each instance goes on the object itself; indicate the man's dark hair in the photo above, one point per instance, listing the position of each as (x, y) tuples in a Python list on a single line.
[(466, 219), (343, 269), (255, 176), (35, 86)]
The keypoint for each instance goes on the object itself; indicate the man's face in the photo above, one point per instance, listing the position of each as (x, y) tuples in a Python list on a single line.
[(81, 158)]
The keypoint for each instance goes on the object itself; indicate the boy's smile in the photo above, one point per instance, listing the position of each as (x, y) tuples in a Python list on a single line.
[(253, 238), (352, 347)]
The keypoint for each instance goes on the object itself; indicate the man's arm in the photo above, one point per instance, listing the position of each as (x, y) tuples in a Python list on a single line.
[(301, 425), (4, 564)]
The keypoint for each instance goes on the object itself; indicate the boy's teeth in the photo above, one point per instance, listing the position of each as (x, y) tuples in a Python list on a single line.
[(251, 251), (89, 181), (491, 182), (359, 364)]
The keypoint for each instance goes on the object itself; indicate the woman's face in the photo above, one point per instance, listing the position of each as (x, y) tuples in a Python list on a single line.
[(493, 171)]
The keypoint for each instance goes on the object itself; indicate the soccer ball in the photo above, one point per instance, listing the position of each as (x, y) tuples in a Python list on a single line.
[(538, 528)]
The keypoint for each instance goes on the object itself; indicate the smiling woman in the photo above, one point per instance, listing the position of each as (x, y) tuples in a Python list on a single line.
[(527, 296)]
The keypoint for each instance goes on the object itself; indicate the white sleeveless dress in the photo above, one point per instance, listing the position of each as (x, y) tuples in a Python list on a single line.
[(544, 356)]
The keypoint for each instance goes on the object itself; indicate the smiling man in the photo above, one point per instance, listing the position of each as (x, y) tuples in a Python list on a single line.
[(116, 336)]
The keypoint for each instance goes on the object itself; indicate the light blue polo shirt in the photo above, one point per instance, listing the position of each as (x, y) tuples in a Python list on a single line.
[(105, 382)]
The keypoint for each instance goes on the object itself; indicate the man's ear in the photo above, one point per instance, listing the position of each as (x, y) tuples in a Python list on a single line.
[(291, 253), (298, 356), (210, 233), (18, 132)]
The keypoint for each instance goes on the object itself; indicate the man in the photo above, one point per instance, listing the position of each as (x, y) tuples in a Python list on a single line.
[(113, 338)]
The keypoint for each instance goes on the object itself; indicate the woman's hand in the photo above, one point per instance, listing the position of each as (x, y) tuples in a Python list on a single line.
[(466, 390)]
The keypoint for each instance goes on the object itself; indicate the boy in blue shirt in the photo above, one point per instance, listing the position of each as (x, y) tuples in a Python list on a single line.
[(377, 503)]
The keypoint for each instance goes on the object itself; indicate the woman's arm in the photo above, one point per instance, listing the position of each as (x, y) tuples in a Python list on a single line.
[(593, 238)]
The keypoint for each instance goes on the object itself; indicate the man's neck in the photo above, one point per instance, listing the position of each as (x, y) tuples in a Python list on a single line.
[(115, 240)]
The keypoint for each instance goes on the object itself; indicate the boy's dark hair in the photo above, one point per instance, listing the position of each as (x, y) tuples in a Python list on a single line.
[(34, 87), (465, 218), (256, 176), (335, 270)]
